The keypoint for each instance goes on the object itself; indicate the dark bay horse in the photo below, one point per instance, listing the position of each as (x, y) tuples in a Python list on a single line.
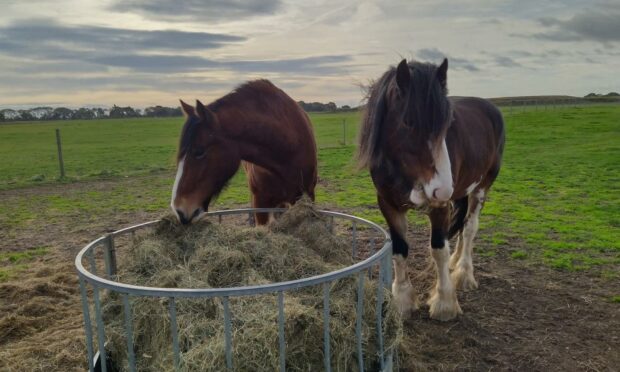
[(257, 124), (427, 151)]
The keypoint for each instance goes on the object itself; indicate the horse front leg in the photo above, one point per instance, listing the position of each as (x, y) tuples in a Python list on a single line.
[(443, 302), (404, 295)]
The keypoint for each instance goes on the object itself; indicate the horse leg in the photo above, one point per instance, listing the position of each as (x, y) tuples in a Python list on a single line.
[(260, 201), (463, 274), (443, 302), (458, 250), (404, 295)]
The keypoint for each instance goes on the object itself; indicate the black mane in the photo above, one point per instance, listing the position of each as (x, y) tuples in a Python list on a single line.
[(425, 109)]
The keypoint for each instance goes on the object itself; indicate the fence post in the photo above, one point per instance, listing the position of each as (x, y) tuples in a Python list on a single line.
[(344, 132), (62, 165)]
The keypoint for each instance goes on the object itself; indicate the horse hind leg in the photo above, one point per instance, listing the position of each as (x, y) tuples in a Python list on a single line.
[(458, 250), (463, 274), (456, 227)]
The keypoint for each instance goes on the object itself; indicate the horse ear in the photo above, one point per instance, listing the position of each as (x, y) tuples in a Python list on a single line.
[(187, 109), (442, 72), (403, 76), (204, 113)]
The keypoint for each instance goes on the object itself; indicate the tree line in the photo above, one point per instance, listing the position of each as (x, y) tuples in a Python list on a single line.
[(118, 112), (86, 113)]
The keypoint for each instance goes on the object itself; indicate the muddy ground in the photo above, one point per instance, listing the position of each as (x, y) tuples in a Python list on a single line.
[(523, 317)]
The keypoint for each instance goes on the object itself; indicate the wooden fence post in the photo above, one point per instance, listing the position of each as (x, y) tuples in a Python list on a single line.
[(62, 165)]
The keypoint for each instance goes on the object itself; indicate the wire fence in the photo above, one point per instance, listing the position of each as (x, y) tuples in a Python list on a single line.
[(34, 153)]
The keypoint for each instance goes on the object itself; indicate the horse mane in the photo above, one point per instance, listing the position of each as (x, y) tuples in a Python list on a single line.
[(425, 110), (242, 94), (261, 89), (369, 138)]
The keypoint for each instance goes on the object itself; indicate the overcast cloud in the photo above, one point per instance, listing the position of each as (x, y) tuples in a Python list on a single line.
[(146, 52)]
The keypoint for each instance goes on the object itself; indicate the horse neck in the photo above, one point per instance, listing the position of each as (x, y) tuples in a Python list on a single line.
[(258, 138)]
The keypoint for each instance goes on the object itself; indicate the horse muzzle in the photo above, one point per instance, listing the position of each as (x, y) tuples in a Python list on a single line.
[(186, 218)]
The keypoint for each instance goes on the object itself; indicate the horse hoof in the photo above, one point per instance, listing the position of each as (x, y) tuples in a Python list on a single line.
[(405, 299), (444, 308), (464, 280)]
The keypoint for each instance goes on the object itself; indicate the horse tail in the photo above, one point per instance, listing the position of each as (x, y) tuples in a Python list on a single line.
[(457, 221)]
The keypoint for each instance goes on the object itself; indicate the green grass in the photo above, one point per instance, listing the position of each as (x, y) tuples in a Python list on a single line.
[(108, 148), (27, 255), (556, 195), (15, 262)]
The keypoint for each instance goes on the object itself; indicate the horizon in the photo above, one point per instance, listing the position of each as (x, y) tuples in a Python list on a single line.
[(360, 105), (142, 53)]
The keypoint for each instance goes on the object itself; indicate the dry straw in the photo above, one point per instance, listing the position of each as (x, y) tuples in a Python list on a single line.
[(297, 245)]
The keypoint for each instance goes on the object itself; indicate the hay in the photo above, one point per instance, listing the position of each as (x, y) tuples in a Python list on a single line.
[(297, 245)]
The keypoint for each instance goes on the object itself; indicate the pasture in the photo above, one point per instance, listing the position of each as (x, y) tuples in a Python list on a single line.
[(547, 254)]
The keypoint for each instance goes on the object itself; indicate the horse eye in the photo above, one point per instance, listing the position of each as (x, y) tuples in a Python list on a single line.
[(198, 153)]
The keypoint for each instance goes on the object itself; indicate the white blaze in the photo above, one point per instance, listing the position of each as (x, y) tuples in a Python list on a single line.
[(441, 183), (176, 183)]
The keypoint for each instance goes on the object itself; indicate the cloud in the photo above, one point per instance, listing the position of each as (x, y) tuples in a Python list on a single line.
[(321, 65), (506, 62), (125, 82), (198, 10), (602, 25), (435, 56), (141, 51), (47, 32)]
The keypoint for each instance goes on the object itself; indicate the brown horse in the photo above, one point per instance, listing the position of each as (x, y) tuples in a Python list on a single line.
[(257, 124), (427, 151)]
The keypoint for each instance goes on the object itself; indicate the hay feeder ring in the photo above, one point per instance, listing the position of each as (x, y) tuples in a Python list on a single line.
[(96, 266)]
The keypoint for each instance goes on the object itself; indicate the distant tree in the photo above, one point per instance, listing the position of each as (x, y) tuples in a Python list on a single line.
[(10, 114), (123, 112), (25, 115), (346, 107), (161, 111), (1, 116), (613, 94), (99, 112), (83, 113), (42, 113), (591, 95), (62, 113)]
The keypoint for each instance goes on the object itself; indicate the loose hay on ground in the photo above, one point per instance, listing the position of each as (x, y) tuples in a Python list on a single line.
[(204, 255)]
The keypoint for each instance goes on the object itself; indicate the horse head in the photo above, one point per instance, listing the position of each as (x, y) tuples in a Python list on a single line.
[(419, 106), (206, 160)]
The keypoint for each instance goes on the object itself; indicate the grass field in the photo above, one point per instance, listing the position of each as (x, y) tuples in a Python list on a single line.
[(555, 202)]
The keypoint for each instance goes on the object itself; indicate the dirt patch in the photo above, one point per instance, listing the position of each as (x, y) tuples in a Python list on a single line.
[(521, 318)]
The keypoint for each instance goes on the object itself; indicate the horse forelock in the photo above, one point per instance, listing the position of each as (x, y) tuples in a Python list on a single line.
[(424, 110), (428, 111), (187, 136)]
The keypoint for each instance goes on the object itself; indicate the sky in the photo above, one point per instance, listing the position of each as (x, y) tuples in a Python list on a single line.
[(154, 52)]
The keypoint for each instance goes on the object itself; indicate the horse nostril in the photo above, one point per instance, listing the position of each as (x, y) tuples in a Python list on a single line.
[(195, 214), (182, 217), (435, 193)]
